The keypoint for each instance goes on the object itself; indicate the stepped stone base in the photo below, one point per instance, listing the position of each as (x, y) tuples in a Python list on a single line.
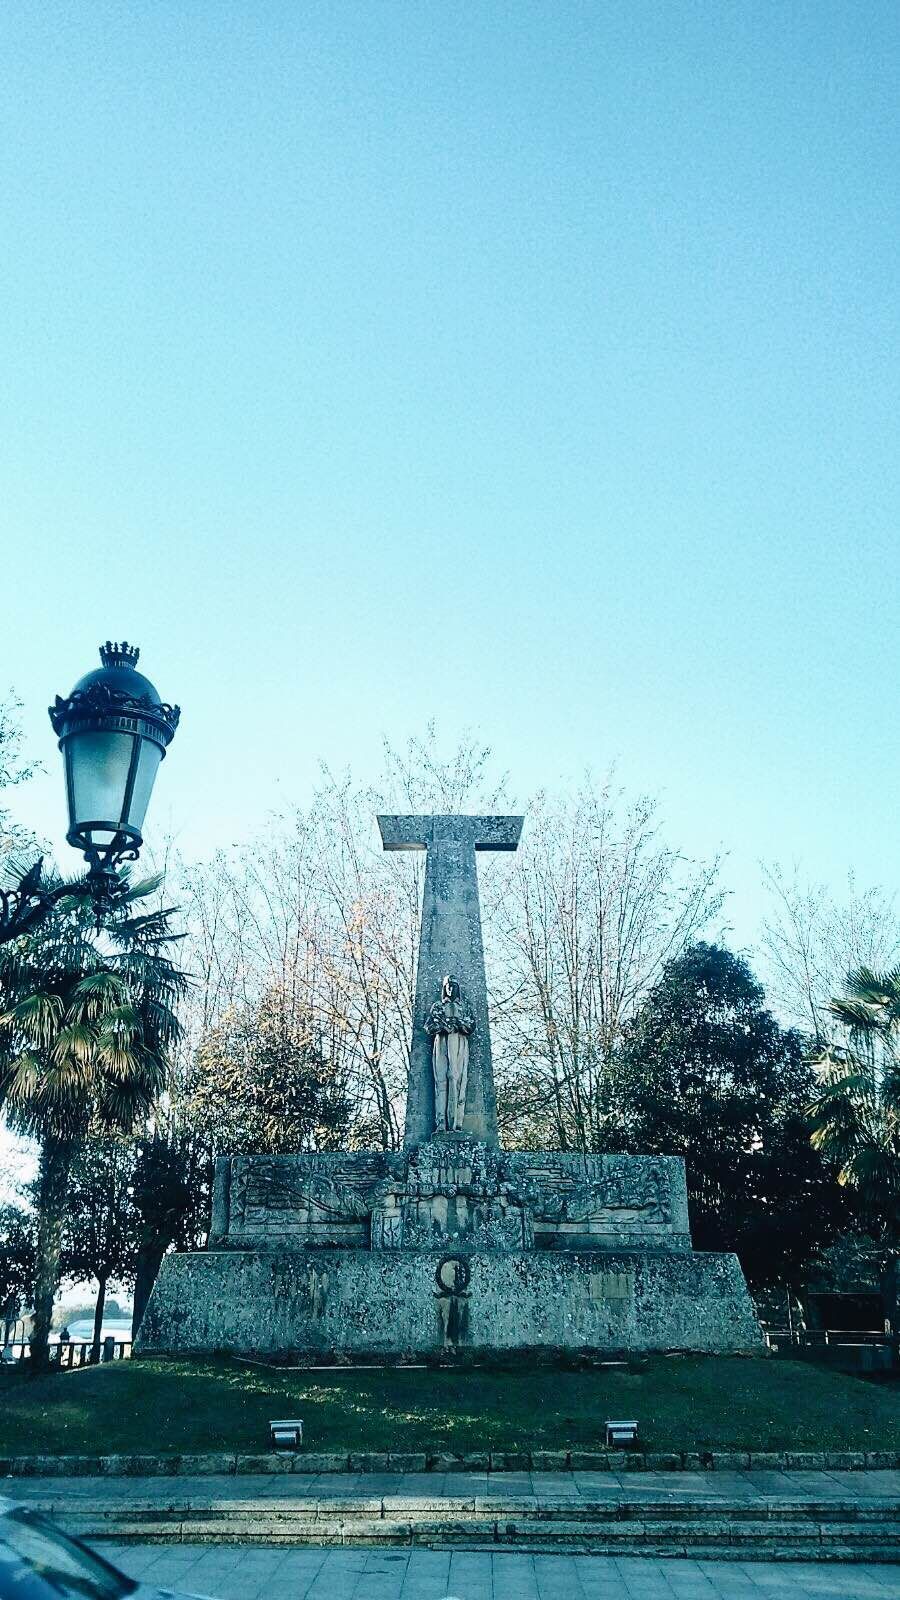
[(399, 1304), (780, 1521)]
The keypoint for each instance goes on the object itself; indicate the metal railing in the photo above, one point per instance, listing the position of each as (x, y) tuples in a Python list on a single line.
[(863, 1350), (72, 1353), (824, 1338)]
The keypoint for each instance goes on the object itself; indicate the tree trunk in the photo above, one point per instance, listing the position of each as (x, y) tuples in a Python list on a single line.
[(53, 1182), (149, 1262), (98, 1320)]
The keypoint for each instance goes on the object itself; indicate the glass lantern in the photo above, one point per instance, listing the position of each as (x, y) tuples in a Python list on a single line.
[(113, 731)]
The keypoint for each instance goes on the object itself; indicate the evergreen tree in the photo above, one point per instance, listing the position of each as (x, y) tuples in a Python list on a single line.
[(99, 1237), (262, 1083), (705, 1072), (17, 1242), (87, 1019), (857, 1104)]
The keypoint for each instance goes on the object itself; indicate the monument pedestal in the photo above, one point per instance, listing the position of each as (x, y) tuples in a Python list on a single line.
[(454, 1249), (359, 1305)]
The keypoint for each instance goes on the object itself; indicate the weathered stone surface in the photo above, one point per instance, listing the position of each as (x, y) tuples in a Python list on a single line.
[(368, 1302), (460, 1191), (549, 1460), (444, 1507), (53, 1466), (271, 1461), (450, 941), (804, 1461), (304, 1201), (455, 1193), (212, 1464), (441, 1461), (594, 1202), (308, 1461), (591, 1460), (341, 1505)]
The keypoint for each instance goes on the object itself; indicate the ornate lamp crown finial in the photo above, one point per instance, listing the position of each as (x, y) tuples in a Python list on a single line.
[(119, 655)]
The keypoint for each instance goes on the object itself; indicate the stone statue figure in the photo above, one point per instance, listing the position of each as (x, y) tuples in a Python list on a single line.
[(449, 1023)]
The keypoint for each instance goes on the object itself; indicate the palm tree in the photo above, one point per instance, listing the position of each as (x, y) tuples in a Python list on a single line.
[(87, 1019), (856, 1115)]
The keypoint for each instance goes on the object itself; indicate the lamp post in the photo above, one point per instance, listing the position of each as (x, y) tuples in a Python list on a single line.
[(113, 731)]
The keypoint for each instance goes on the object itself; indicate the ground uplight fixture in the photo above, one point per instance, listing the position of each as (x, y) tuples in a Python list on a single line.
[(619, 1433), (286, 1433), (113, 731)]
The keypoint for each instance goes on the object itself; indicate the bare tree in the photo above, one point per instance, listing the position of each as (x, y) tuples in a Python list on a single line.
[(17, 843), (597, 904), (812, 939)]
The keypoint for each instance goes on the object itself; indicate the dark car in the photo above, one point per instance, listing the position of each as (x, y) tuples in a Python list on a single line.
[(38, 1562)]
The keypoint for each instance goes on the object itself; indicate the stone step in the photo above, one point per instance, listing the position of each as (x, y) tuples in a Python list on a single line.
[(738, 1542), (252, 1512), (714, 1530)]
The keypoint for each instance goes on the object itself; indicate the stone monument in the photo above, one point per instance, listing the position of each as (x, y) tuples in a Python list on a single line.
[(450, 1247)]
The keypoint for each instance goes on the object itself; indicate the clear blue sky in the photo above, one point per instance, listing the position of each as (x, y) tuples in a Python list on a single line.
[(534, 366)]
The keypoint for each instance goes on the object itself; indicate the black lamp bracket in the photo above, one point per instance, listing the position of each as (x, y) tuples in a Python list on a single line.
[(26, 905)]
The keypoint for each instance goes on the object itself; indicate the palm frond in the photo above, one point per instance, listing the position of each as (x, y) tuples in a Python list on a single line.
[(36, 1015), (143, 887), (86, 1024), (877, 988), (857, 1014)]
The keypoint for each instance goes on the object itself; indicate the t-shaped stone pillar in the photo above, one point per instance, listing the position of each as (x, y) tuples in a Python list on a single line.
[(450, 942)]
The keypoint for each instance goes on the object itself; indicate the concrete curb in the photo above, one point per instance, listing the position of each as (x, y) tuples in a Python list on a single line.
[(237, 1463)]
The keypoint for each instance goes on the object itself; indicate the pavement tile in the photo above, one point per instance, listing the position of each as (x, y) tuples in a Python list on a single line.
[(236, 1573), (470, 1576), (516, 1588), (426, 1576), (604, 1482), (872, 1482)]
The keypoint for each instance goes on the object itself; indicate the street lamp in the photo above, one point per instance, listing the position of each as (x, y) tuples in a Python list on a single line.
[(113, 731)]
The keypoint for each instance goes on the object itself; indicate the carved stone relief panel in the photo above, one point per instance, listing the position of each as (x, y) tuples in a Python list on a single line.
[(301, 1200), (449, 1166), (443, 1219), (386, 1229), (452, 1191), (594, 1201)]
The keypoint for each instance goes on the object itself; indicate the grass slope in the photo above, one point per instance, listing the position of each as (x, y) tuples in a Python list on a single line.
[(688, 1403)]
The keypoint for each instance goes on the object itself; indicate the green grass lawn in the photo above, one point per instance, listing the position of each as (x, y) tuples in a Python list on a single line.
[(684, 1403)]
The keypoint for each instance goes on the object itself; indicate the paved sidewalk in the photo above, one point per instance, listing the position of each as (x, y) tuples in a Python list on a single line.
[(457, 1487), (235, 1573)]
